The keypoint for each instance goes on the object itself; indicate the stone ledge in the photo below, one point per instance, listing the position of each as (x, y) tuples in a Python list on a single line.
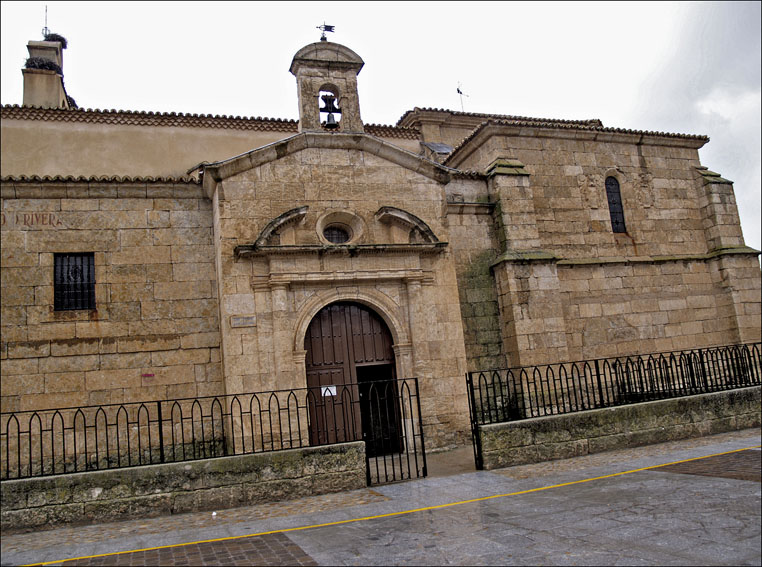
[(524, 256), (570, 435), (244, 251), (544, 256), (712, 177), (173, 488)]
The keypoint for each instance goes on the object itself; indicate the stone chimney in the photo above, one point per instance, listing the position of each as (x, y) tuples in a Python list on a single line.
[(44, 87)]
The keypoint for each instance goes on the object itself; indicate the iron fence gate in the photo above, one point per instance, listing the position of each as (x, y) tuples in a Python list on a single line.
[(392, 429), (384, 414), (498, 396)]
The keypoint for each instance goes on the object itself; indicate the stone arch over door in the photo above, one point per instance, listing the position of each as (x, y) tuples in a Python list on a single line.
[(379, 302)]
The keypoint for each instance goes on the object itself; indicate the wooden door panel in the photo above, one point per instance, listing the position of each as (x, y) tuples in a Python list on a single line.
[(339, 338), (371, 341), (324, 405)]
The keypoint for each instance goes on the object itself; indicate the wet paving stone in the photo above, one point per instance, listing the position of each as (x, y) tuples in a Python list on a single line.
[(624, 507), (270, 549), (198, 521), (745, 465)]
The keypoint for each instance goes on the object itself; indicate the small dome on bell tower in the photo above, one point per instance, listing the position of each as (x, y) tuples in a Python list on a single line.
[(326, 79)]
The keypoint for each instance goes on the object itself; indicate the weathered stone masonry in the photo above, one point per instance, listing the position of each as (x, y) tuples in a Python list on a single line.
[(479, 240), (155, 333)]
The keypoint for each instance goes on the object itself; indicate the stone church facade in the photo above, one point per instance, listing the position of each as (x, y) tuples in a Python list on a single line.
[(223, 255)]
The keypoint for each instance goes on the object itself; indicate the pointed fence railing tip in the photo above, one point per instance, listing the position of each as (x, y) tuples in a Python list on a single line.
[(513, 394), (520, 393), (109, 436)]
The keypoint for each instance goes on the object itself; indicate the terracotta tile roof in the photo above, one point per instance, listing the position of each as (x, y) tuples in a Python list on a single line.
[(570, 126), (590, 124), (178, 119), (586, 122), (383, 131), (95, 179), (143, 118)]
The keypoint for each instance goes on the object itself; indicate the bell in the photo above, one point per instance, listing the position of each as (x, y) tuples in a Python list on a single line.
[(330, 104), (330, 123)]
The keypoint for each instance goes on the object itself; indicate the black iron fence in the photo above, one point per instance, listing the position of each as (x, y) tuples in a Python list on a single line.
[(498, 396), (385, 414)]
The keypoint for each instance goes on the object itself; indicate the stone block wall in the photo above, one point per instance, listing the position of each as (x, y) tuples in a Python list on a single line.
[(642, 307), (660, 185), (472, 238), (571, 435), (569, 288), (532, 313), (154, 333), (174, 488), (565, 310)]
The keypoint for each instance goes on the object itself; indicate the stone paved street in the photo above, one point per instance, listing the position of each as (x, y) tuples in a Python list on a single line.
[(601, 509)]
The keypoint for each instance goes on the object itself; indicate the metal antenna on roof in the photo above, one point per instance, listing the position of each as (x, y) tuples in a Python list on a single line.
[(325, 28), (462, 94), (45, 30)]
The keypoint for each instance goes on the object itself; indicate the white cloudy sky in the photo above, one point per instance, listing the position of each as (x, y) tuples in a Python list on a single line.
[(674, 67)]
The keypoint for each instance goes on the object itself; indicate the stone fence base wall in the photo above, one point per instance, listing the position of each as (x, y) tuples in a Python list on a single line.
[(174, 488), (563, 436)]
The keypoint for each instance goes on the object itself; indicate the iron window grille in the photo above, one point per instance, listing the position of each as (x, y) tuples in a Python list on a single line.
[(616, 210), (74, 281)]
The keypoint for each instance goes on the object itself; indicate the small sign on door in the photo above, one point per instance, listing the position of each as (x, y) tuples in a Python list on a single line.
[(328, 390)]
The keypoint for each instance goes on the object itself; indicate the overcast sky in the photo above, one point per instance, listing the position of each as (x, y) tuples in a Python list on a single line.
[(672, 67)]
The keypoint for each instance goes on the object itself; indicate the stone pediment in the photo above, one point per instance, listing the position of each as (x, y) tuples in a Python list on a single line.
[(213, 173), (328, 55)]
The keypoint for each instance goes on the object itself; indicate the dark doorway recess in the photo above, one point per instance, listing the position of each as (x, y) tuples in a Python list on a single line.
[(379, 410)]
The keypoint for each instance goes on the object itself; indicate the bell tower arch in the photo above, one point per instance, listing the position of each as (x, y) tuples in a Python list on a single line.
[(326, 80)]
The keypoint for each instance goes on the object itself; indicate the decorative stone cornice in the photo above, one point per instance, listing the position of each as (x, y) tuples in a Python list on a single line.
[(280, 279), (520, 256), (252, 250), (740, 250), (408, 220), (289, 217)]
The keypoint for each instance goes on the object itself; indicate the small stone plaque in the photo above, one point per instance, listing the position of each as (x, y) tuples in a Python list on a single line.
[(243, 321)]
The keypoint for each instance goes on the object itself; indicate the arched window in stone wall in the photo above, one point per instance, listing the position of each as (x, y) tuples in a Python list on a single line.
[(616, 210)]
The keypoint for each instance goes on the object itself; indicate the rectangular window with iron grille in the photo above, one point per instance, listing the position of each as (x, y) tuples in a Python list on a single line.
[(74, 281)]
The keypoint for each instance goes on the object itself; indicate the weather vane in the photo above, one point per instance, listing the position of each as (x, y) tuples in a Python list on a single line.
[(462, 94), (45, 30), (325, 28)]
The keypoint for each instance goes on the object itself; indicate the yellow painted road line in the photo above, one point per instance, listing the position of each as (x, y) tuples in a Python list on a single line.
[(402, 513)]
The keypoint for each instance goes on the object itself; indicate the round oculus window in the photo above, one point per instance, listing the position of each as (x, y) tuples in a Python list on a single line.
[(337, 234)]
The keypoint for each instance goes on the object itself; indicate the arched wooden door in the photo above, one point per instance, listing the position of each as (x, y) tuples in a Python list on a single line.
[(349, 349)]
